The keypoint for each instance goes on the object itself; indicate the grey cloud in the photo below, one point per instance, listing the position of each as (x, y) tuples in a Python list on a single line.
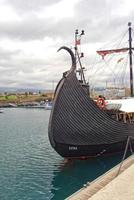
[(95, 17), (98, 19), (6, 54), (29, 5), (21, 72), (32, 29)]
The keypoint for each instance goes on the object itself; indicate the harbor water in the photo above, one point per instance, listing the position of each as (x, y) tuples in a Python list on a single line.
[(30, 169)]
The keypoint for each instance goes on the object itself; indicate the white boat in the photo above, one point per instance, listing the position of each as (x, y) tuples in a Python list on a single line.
[(48, 105), (45, 105), (1, 111)]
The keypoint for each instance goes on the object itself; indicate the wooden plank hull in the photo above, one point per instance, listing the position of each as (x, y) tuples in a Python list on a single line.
[(79, 128), (89, 151)]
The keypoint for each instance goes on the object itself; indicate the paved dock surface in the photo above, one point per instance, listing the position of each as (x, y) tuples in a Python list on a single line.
[(110, 186), (120, 188)]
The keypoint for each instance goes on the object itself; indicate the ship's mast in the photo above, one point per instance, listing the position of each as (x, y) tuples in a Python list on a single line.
[(103, 53), (76, 36), (130, 59), (79, 56)]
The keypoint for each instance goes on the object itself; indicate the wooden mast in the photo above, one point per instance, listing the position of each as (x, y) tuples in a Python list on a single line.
[(130, 59)]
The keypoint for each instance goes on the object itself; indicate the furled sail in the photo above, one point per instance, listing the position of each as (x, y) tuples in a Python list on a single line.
[(103, 53)]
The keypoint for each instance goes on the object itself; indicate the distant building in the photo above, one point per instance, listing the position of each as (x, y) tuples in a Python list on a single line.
[(114, 92)]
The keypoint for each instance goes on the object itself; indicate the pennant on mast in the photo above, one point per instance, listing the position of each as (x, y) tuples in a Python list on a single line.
[(120, 60), (77, 42)]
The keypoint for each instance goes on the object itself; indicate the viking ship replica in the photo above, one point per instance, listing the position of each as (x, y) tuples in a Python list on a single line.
[(78, 127)]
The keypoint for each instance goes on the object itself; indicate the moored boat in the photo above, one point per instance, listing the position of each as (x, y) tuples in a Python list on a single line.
[(48, 105), (78, 128), (1, 111)]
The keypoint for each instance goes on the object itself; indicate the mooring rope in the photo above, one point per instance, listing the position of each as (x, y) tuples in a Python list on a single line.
[(128, 144)]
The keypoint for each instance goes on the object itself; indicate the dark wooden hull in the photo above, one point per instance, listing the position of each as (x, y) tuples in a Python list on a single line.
[(89, 151), (79, 128)]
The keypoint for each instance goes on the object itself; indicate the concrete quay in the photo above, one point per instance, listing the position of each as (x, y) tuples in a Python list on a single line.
[(113, 185)]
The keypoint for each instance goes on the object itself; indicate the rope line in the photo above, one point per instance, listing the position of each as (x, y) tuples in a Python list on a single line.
[(128, 145)]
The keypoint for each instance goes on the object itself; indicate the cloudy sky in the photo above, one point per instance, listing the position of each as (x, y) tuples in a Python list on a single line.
[(31, 31)]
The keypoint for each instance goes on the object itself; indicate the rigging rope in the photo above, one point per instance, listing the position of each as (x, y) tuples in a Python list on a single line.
[(128, 145), (96, 71)]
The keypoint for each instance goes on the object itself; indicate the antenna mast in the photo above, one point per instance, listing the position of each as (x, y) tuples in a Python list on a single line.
[(79, 56)]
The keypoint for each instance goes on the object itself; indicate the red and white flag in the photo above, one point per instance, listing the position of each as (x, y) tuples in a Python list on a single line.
[(77, 42)]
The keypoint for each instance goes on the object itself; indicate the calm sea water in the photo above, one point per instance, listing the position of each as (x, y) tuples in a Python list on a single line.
[(30, 169)]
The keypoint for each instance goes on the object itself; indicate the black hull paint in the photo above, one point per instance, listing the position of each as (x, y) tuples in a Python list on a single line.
[(79, 128), (70, 151)]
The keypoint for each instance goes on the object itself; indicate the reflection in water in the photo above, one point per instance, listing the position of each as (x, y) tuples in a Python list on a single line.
[(74, 174)]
